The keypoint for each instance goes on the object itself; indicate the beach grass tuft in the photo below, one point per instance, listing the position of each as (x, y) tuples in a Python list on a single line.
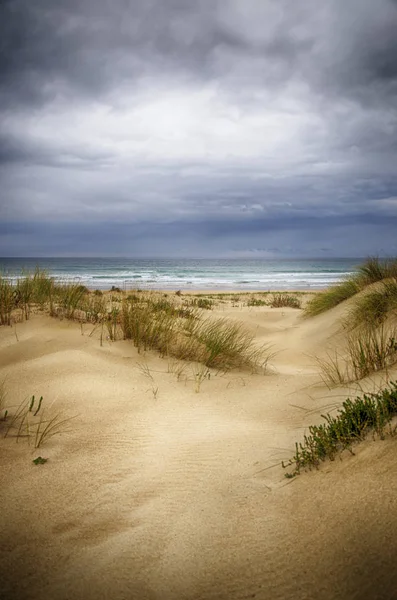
[(372, 271), (368, 350), (8, 301), (375, 306), (330, 298), (281, 300), (29, 420)]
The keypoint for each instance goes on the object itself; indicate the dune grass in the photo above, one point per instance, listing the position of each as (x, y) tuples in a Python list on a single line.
[(371, 412), (373, 270), (204, 303), (182, 333), (330, 298), (368, 350), (170, 325), (227, 345), (30, 421), (7, 301), (375, 306), (281, 300)]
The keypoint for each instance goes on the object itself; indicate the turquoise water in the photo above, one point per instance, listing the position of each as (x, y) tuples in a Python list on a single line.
[(189, 274)]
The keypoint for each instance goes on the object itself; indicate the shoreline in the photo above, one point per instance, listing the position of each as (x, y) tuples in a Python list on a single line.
[(213, 292)]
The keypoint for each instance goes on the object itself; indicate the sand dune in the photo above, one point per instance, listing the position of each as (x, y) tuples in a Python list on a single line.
[(160, 492)]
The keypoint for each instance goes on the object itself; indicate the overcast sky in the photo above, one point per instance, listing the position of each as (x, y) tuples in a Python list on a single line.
[(198, 128)]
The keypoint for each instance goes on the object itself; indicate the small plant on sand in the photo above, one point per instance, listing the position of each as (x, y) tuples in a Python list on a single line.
[(30, 421), (287, 300), (227, 345), (338, 433), (257, 302), (177, 367), (145, 370), (333, 369), (7, 301), (40, 460), (204, 303), (70, 298), (200, 374), (368, 350), (371, 350), (112, 319)]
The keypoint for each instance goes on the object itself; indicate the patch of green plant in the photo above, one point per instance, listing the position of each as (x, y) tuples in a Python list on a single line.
[(40, 460), (282, 299), (256, 302), (370, 412)]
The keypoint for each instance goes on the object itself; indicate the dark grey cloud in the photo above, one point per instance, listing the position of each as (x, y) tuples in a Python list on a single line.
[(189, 122), (93, 45)]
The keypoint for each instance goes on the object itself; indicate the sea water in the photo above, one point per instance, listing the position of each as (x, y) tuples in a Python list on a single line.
[(189, 274)]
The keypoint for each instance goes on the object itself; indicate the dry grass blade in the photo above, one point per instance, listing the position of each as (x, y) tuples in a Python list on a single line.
[(46, 429), (369, 350), (7, 301)]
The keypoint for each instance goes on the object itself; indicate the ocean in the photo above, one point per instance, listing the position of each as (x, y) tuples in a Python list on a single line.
[(189, 274)]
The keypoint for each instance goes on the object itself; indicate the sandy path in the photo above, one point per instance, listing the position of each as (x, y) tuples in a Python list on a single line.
[(159, 492)]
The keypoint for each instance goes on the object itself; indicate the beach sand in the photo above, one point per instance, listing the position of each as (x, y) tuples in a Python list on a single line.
[(158, 492)]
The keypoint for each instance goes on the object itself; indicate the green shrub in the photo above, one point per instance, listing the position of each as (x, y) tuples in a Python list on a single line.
[(356, 417)]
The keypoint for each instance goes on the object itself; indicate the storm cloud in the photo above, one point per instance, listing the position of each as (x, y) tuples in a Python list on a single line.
[(227, 128)]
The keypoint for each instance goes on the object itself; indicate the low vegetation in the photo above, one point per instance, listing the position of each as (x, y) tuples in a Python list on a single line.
[(375, 306), (371, 412), (30, 420), (174, 325), (372, 271), (370, 323), (368, 350), (330, 298), (285, 300), (276, 300)]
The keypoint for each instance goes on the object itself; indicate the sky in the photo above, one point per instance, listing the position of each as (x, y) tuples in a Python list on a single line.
[(198, 128)]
